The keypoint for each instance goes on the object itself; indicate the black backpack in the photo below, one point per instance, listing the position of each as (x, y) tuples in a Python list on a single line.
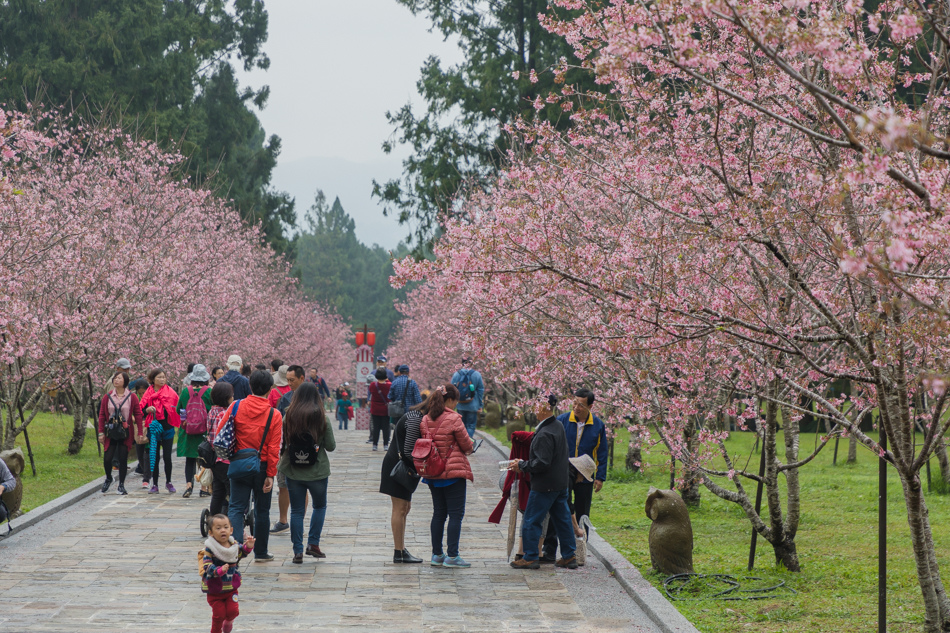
[(115, 426), (303, 450)]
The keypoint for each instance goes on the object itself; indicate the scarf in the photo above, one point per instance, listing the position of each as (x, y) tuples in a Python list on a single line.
[(224, 554), (520, 449), (165, 401), (114, 401)]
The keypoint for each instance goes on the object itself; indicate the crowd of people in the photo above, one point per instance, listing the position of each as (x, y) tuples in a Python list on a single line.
[(251, 428)]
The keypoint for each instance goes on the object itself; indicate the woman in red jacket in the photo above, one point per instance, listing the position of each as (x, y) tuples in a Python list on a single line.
[(121, 407), (448, 489)]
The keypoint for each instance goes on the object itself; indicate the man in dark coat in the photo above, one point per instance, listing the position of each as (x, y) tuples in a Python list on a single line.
[(242, 388), (548, 466)]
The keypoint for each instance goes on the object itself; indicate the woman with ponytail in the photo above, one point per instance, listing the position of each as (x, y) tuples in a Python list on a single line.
[(445, 427)]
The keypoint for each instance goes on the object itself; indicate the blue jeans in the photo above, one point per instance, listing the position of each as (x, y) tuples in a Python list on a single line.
[(241, 490), (448, 502), (298, 489), (344, 419), (469, 419), (539, 505)]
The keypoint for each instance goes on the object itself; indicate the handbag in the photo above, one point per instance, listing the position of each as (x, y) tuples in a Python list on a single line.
[(225, 440), (403, 475), (398, 409), (205, 478), (246, 463)]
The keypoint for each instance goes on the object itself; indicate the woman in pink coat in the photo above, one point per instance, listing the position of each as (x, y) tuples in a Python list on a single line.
[(448, 489), (120, 406), (160, 406)]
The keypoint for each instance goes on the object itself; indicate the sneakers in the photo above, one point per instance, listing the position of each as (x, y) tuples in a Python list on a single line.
[(186, 493), (522, 563), (367, 441), (279, 528), (121, 490), (570, 563), (153, 490), (145, 484), (375, 448), (170, 488), (263, 558), (437, 560), (105, 485), (385, 447), (314, 550), (456, 561)]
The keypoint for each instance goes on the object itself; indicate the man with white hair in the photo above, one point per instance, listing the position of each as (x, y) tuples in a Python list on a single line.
[(242, 388)]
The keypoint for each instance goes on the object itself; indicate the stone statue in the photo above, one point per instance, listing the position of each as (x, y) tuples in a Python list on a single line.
[(671, 535), (17, 464)]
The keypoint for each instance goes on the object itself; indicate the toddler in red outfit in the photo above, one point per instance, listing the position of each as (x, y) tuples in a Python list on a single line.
[(220, 577)]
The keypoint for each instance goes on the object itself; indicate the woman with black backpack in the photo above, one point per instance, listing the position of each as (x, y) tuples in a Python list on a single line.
[(120, 420), (304, 462)]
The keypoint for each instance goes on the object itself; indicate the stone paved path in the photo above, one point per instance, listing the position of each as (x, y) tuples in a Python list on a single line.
[(129, 564)]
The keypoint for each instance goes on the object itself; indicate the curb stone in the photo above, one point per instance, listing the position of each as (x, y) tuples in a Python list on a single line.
[(663, 614), (50, 508)]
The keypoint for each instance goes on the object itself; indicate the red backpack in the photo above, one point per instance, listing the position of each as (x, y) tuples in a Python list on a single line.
[(196, 416), (425, 454)]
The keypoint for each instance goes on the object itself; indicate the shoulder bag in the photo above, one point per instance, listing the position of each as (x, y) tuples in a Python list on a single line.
[(246, 463)]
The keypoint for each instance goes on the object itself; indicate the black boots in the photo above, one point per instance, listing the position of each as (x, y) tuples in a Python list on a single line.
[(404, 557)]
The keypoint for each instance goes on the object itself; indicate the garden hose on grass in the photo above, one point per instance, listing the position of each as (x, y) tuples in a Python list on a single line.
[(717, 587)]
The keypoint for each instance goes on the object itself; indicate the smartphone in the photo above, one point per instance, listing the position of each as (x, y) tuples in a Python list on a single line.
[(477, 444)]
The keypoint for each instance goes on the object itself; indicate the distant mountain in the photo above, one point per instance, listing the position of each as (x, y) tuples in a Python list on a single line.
[(353, 184)]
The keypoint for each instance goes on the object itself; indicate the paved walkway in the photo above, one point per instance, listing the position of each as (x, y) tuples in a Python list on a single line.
[(129, 563)]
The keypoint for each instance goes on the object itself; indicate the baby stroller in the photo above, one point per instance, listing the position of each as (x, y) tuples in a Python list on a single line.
[(206, 460)]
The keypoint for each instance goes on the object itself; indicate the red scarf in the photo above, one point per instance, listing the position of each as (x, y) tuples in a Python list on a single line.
[(165, 401), (520, 449)]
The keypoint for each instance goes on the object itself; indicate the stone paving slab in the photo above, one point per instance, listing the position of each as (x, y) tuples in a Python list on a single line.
[(129, 564)]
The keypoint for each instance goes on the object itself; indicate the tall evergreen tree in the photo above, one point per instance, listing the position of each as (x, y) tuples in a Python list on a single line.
[(164, 70), (336, 269), (456, 141)]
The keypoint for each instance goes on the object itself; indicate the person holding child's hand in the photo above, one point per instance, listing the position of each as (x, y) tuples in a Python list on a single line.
[(220, 577)]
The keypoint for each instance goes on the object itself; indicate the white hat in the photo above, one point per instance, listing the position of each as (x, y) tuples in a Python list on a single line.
[(280, 377), (199, 374), (584, 465), (235, 362)]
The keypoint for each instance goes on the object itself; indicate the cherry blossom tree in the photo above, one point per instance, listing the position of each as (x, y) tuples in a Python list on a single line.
[(756, 210), (106, 252)]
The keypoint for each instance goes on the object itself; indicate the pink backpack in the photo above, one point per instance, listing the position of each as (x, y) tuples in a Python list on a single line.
[(196, 416), (426, 458)]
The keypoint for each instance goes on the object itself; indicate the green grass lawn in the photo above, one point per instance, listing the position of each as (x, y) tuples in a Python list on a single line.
[(57, 472), (837, 545)]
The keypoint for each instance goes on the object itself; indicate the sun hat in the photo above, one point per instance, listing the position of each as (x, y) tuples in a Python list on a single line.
[(123, 363), (235, 362), (584, 465), (280, 378), (200, 374)]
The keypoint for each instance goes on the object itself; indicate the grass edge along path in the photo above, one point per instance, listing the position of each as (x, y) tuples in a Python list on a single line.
[(57, 472), (837, 544)]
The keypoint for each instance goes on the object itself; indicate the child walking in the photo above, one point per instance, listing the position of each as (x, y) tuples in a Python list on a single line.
[(220, 577)]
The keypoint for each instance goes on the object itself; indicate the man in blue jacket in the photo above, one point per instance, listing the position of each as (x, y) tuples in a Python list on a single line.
[(242, 388), (472, 392), (586, 435)]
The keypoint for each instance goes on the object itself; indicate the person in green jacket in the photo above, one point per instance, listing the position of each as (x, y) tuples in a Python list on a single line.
[(304, 462), (188, 444)]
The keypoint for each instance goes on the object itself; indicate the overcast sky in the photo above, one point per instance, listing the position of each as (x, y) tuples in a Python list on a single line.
[(336, 68)]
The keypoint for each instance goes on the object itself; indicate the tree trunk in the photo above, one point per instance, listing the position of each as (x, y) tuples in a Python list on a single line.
[(786, 555), (941, 451), (689, 491), (936, 603), (80, 409), (852, 449), (633, 461)]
